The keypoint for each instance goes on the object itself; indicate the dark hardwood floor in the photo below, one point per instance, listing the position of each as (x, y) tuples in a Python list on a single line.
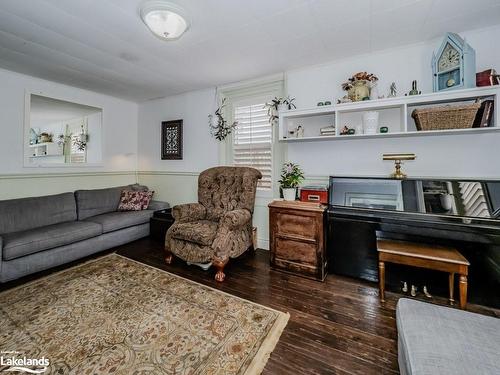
[(335, 327), (338, 326)]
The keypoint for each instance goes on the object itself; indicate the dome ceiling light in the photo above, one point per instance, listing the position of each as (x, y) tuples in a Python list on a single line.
[(165, 20)]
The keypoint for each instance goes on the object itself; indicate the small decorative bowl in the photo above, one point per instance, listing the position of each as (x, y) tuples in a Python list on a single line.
[(384, 129), (327, 103), (320, 104)]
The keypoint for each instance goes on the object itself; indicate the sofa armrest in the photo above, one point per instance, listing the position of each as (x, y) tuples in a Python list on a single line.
[(184, 213), (236, 219), (158, 205)]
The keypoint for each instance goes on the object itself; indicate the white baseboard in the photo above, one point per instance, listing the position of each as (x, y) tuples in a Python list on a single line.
[(263, 243)]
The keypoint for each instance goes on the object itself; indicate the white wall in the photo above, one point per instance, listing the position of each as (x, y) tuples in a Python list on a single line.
[(464, 155), (119, 139), (200, 150)]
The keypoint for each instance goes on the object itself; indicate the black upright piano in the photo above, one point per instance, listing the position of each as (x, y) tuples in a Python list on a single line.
[(461, 213)]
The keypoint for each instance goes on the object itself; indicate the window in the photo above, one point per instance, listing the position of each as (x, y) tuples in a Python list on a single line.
[(253, 140)]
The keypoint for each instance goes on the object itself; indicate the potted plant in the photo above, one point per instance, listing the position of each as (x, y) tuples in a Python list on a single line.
[(291, 177), (288, 102)]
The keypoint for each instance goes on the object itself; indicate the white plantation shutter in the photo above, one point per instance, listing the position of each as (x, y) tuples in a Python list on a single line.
[(253, 140), (473, 199), (76, 155)]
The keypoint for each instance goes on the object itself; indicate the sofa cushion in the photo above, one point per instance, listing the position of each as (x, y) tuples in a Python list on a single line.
[(201, 232), (27, 213), (441, 340), (98, 201), (18, 244), (131, 200), (121, 219)]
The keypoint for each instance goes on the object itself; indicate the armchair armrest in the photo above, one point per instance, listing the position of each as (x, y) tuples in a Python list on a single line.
[(236, 219), (184, 213)]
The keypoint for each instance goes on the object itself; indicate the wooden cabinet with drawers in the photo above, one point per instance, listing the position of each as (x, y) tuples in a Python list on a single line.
[(297, 237)]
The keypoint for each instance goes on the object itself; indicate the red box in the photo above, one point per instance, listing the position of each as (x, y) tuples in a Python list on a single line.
[(314, 194), (487, 78)]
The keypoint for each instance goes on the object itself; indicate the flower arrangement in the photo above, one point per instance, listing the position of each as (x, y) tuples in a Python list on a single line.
[(219, 127), (63, 139), (360, 76), (291, 176)]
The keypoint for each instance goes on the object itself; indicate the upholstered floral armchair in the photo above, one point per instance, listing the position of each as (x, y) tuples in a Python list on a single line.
[(219, 226)]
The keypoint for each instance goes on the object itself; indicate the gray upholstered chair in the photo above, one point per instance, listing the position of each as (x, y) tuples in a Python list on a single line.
[(219, 226)]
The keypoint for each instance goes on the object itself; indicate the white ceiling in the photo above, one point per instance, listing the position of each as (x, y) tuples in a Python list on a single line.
[(103, 45)]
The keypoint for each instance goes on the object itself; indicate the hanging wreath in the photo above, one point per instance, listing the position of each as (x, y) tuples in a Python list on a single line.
[(219, 127)]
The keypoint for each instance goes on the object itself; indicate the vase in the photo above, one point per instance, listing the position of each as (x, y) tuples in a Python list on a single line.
[(289, 194), (370, 122), (359, 91)]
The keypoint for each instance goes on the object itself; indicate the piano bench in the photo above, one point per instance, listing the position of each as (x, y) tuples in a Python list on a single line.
[(434, 257)]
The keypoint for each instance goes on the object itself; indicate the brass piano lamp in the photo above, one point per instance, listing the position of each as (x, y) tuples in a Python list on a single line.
[(398, 158)]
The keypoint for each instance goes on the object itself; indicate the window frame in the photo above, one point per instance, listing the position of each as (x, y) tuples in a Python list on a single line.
[(247, 95), (248, 102)]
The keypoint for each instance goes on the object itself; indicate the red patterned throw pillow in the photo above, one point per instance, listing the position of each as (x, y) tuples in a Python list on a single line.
[(134, 200)]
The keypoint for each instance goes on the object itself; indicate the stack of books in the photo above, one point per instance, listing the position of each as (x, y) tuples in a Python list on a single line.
[(329, 130)]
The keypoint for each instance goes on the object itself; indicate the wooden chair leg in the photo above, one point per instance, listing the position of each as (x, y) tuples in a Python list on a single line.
[(168, 257), (463, 291), (254, 238), (219, 265), (381, 280), (451, 281)]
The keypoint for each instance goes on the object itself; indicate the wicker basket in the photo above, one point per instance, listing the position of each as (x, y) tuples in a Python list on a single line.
[(445, 117)]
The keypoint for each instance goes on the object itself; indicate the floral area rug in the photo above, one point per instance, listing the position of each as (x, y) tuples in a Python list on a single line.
[(117, 316)]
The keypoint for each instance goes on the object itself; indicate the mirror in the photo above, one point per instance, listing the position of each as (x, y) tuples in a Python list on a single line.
[(59, 132)]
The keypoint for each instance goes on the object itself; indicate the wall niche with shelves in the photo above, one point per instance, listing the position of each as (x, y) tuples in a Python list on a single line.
[(394, 113)]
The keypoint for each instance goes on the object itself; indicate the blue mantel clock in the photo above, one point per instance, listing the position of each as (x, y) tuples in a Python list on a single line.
[(454, 65)]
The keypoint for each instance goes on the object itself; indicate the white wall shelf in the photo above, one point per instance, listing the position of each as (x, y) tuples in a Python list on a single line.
[(395, 113)]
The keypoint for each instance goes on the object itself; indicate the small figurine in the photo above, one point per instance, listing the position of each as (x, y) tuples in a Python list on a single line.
[(300, 131), (393, 92), (414, 90), (344, 130)]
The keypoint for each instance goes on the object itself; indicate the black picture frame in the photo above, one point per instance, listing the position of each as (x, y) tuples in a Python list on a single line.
[(171, 140)]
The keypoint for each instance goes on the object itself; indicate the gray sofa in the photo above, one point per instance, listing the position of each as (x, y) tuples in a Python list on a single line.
[(441, 340), (42, 232)]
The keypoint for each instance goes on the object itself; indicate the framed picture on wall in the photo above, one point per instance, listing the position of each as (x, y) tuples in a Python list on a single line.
[(171, 140)]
